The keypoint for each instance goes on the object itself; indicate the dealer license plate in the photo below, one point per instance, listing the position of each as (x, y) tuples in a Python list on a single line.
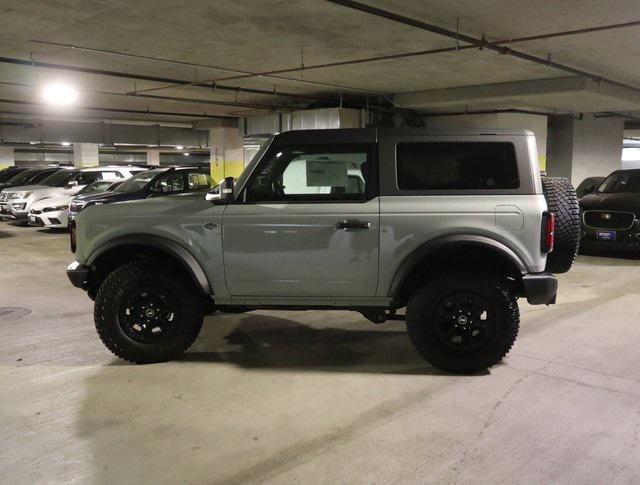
[(606, 235)]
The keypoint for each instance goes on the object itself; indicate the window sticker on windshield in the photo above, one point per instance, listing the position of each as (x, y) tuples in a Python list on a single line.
[(327, 173)]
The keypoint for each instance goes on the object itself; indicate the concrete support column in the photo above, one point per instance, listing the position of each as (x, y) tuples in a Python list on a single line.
[(85, 155), (153, 157), (507, 121), (587, 147), (226, 151), (7, 157)]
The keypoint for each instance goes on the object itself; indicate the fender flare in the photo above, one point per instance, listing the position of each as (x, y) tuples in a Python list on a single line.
[(430, 247), (187, 260)]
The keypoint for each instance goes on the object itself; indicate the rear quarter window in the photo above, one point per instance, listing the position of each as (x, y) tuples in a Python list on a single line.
[(456, 166)]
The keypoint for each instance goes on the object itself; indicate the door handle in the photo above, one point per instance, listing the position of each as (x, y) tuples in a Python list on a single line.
[(353, 224)]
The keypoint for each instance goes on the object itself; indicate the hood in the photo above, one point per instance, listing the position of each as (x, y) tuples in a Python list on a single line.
[(44, 191), (52, 202), (109, 197), (621, 201), (164, 209), (26, 188)]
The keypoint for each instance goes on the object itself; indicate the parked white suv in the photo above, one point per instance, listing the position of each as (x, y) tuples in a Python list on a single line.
[(53, 212), (66, 182)]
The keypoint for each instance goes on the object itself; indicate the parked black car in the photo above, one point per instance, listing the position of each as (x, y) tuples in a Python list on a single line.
[(151, 183), (7, 173), (30, 176), (589, 185), (611, 214)]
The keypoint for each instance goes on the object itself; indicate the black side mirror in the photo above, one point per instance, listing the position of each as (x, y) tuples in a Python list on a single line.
[(223, 193)]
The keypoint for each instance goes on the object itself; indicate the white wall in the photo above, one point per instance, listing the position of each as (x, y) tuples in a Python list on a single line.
[(7, 157), (597, 147), (587, 147)]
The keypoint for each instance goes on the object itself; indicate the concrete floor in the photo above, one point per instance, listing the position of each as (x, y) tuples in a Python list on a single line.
[(315, 397)]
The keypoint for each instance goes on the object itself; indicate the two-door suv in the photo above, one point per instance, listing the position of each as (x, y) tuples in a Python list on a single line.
[(453, 227)]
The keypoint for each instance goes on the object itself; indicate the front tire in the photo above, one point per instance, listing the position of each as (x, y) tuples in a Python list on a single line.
[(144, 316), (463, 322)]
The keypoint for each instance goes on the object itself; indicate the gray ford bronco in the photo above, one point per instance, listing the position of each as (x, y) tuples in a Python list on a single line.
[(445, 231)]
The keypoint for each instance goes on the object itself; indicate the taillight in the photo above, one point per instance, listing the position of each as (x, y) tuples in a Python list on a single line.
[(549, 231)]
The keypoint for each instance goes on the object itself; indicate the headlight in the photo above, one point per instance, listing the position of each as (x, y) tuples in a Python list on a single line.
[(19, 195), (56, 208)]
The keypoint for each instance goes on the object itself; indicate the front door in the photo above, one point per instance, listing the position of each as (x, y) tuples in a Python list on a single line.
[(306, 224)]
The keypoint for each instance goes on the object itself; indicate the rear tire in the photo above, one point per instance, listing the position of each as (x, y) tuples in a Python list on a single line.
[(143, 315), (563, 202), (445, 321)]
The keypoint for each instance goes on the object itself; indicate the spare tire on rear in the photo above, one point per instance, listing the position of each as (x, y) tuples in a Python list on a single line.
[(563, 202)]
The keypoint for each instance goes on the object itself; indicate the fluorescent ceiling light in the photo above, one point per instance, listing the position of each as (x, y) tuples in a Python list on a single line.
[(186, 154), (66, 143), (179, 147), (59, 94)]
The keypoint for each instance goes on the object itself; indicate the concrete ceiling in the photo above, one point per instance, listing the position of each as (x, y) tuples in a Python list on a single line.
[(155, 47)]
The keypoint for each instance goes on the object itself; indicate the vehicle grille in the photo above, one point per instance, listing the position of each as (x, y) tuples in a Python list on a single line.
[(36, 211), (608, 219)]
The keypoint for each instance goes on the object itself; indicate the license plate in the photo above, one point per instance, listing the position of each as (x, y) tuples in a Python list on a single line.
[(32, 219), (606, 235)]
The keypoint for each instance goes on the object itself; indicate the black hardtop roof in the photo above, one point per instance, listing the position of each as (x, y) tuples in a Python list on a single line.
[(370, 135)]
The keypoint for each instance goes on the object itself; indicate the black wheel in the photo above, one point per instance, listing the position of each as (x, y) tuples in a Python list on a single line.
[(463, 322), (563, 202), (144, 315)]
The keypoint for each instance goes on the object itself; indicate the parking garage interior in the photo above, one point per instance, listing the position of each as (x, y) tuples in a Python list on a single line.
[(310, 396)]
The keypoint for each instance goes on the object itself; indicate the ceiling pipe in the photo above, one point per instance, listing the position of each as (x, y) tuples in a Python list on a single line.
[(428, 52), (419, 53), (496, 111), (206, 66), (115, 110), (170, 98), (144, 77), (479, 43)]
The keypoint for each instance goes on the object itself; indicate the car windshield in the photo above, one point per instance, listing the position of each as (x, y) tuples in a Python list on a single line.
[(98, 186), (8, 174), (59, 179), (23, 177), (138, 181), (621, 182)]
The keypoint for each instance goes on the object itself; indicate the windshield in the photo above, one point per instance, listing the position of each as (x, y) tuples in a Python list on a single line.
[(249, 168), (138, 181), (23, 177), (59, 179), (99, 186), (621, 182)]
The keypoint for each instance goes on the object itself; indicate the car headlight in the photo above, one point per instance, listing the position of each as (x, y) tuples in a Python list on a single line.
[(19, 195)]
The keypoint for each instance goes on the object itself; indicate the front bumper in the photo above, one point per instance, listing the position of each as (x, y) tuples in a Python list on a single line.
[(540, 288), (15, 209), (53, 219), (78, 274), (625, 239)]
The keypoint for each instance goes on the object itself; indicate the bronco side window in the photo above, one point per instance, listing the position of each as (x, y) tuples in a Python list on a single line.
[(308, 173), (456, 166)]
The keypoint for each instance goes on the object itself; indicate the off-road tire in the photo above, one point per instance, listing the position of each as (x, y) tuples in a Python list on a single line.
[(563, 202), (422, 321), (127, 278)]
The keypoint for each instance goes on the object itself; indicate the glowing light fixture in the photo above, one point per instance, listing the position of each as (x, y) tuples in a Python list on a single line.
[(59, 94), (66, 143), (186, 154), (179, 147)]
